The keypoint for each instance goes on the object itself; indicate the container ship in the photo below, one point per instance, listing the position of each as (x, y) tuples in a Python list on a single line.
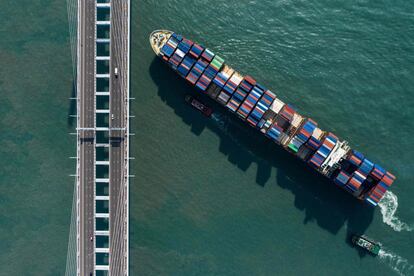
[(261, 109)]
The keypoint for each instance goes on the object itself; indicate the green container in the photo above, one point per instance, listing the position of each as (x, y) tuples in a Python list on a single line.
[(293, 148), (217, 62)]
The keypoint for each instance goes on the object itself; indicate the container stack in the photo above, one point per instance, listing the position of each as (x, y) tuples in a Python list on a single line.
[(196, 50), (278, 124), (295, 125), (211, 72), (360, 175), (229, 88), (196, 71), (186, 66), (323, 151), (377, 192), (199, 66), (363, 178), (168, 49), (303, 135), (342, 178), (241, 92), (278, 121), (219, 81), (251, 101), (269, 117), (261, 107)]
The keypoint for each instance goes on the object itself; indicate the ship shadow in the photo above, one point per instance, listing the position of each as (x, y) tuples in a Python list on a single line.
[(320, 200), (72, 106)]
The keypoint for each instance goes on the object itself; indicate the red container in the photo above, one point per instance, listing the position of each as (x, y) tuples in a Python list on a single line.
[(250, 80)]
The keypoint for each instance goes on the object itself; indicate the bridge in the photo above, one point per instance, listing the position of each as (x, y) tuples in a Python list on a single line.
[(102, 176)]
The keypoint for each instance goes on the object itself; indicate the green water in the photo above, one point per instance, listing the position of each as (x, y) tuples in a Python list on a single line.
[(35, 187), (212, 197)]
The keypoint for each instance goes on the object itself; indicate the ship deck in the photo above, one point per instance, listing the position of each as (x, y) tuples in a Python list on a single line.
[(158, 38)]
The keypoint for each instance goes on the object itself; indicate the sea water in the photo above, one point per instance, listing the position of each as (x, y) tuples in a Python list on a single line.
[(212, 196)]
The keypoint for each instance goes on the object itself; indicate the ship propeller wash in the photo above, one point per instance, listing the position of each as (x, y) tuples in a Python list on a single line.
[(280, 122)]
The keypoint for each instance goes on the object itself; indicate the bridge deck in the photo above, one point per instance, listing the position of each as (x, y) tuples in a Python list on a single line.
[(102, 179)]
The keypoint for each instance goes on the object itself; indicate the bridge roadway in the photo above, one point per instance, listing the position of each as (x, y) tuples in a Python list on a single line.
[(118, 137), (118, 175), (86, 94)]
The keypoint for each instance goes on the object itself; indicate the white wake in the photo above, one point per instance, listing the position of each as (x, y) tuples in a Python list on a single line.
[(389, 206), (396, 262)]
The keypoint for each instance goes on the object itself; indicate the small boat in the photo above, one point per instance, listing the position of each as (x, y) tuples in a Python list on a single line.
[(367, 244), (207, 111)]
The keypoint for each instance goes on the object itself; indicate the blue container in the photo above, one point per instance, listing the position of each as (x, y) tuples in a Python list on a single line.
[(366, 166), (358, 154), (177, 36)]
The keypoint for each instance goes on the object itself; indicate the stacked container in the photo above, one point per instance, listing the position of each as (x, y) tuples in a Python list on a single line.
[(219, 81), (360, 175), (356, 158), (270, 115), (196, 71), (324, 150), (311, 145), (186, 66), (250, 101), (342, 178), (297, 121), (261, 107), (377, 192), (277, 131), (229, 88), (168, 49), (210, 72), (303, 135), (196, 50), (241, 92)]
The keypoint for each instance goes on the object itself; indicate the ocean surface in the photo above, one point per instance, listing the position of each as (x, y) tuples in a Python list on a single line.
[(211, 196)]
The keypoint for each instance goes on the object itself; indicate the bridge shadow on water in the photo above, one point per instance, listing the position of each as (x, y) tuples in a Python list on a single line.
[(319, 199), (72, 106)]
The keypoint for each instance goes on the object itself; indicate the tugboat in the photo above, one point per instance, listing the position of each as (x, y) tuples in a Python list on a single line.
[(207, 111), (367, 244)]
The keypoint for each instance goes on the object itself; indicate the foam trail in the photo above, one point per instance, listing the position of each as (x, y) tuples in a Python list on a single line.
[(396, 262), (389, 206), (221, 120)]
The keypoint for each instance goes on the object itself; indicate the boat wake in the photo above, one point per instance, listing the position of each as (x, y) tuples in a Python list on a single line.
[(221, 120), (396, 262), (389, 206)]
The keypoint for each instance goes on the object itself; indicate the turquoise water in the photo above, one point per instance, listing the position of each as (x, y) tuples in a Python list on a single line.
[(35, 187), (212, 197)]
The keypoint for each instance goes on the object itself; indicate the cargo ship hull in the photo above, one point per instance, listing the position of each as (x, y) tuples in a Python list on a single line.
[(261, 109)]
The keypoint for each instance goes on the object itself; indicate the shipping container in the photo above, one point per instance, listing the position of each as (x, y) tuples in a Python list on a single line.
[(261, 107), (250, 102), (229, 88), (196, 71)]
